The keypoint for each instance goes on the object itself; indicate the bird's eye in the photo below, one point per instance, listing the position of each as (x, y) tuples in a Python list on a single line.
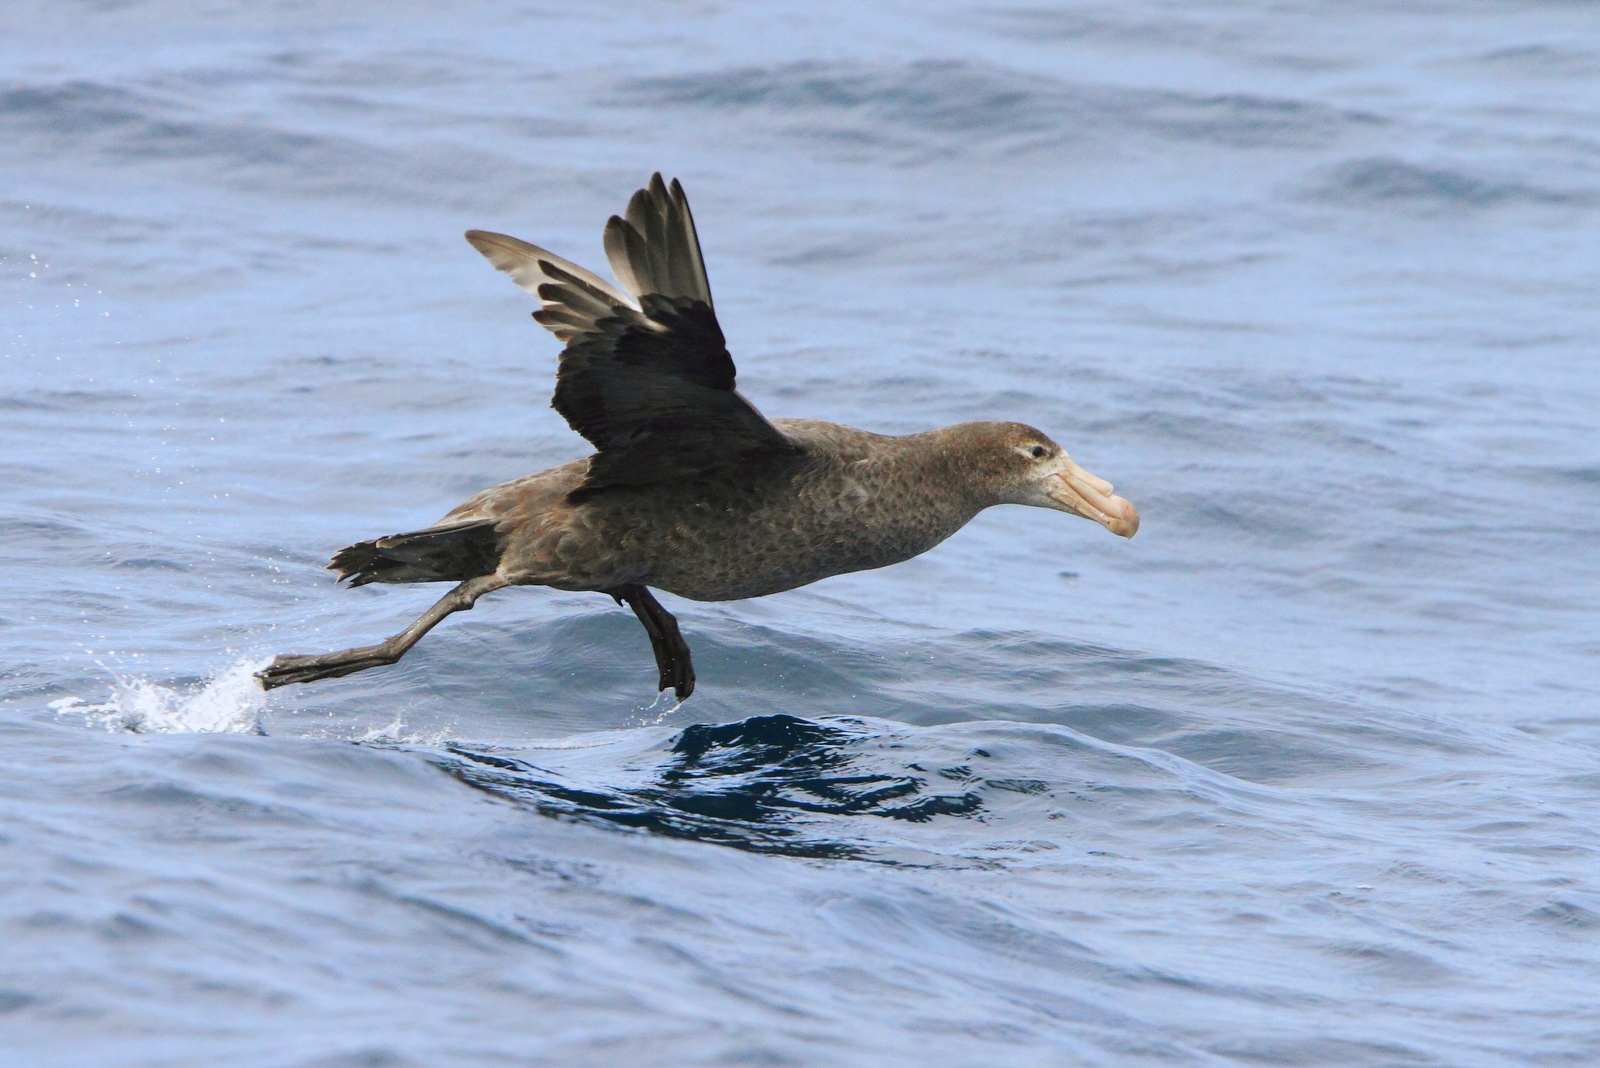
[(1038, 452)]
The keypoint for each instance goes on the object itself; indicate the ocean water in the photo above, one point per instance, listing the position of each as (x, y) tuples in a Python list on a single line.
[(1307, 773)]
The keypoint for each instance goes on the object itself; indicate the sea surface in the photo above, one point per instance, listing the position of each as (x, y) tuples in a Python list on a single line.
[(1306, 774)]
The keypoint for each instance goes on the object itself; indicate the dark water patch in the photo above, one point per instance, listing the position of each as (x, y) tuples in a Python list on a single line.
[(989, 931), (24, 404), (372, 1056), (1567, 914), (1115, 231), (981, 103), (1536, 61), (1188, 429), (864, 248), (151, 563), (1387, 181), (766, 784), (1243, 518), (29, 529), (65, 400), (1346, 1053), (124, 127), (245, 145), (1244, 120), (199, 804), (1239, 39), (72, 108), (13, 1000), (458, 923), (433, 67), (84, 224), (857, 110), (1060, 24), (1327, 437), (963, 795), (124, 928), (1585, 476), (1259, 754), (31, 681), (593, 670), (1389, 961)]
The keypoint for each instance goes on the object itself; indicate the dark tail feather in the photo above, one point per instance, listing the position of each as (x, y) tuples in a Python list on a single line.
[(453, 553)]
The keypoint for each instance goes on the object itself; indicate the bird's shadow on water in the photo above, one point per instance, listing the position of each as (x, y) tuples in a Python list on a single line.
[(769, 784)]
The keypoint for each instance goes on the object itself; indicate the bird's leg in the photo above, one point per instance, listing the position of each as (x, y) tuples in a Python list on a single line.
[(286, 669), (672, 652)]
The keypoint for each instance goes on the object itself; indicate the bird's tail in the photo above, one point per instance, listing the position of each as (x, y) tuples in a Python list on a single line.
[(452, 553)]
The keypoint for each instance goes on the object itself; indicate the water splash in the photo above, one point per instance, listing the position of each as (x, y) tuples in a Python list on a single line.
[(230, 703), (656, 712), (399, 733)]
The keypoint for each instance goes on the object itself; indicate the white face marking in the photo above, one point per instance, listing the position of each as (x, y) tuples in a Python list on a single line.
[(1033, 451), (1042, 479)]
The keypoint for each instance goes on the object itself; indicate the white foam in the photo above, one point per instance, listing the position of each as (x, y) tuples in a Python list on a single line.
[(231, 702)]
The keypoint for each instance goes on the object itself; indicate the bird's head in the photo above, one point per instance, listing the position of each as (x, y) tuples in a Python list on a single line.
[(1025, 467)]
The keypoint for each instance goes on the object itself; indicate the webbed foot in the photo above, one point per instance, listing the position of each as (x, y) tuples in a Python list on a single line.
[(285, 670)]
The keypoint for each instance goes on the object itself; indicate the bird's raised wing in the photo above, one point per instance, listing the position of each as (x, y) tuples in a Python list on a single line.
[(646, 374)]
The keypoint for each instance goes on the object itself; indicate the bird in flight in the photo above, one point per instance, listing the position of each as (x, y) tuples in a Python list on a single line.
[(690, 489)]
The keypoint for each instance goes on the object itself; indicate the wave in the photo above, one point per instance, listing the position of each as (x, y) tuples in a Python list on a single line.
[(981, 103), (1386, 180), (102, 125), (563, 666), (1542, 61), (837, 787), (72, 108), (759, 785)]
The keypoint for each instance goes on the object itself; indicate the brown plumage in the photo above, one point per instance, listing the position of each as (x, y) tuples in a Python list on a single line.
[(690, 489)]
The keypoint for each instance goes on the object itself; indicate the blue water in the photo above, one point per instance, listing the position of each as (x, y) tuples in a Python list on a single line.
[(1308, 773)]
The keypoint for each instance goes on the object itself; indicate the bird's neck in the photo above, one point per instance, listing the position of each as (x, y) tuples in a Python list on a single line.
[(937, 472), (946, 460)]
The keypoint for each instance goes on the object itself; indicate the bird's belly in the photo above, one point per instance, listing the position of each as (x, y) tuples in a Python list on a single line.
[(735, 576), (732, 582), (725, 542), (736, 562)]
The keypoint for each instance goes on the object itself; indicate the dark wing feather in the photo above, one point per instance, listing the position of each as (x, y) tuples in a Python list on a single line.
[(646, 374), (655, 249)]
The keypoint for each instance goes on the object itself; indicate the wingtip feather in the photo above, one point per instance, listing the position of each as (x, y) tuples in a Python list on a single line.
[(652, 249)]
